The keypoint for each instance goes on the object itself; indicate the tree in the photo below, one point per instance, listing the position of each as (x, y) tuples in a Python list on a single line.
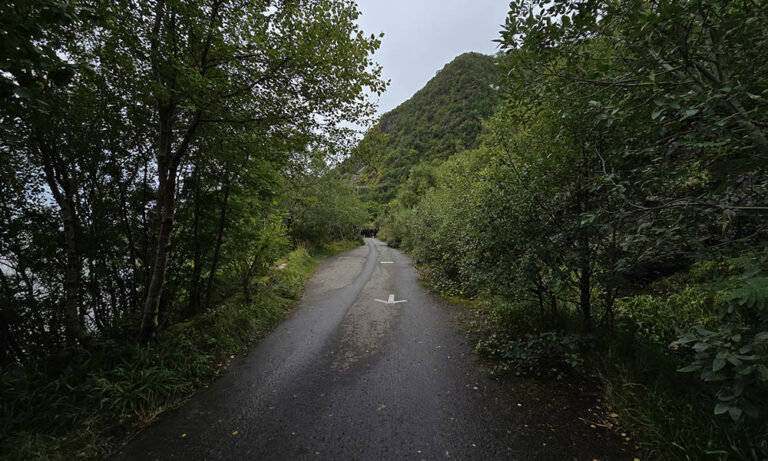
[(276, 68)]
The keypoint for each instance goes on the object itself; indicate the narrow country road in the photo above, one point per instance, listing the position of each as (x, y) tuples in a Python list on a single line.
[(348, 377)]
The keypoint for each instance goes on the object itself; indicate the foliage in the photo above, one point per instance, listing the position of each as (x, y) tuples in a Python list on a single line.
[(733, 351), (441, 119), (147, 178), (737, 361), (324, 209), (74, 405), (531, 353)]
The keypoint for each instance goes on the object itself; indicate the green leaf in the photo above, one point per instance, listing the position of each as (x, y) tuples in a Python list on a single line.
[(721, 408), (690, 368), (762, 336), (762, 372)]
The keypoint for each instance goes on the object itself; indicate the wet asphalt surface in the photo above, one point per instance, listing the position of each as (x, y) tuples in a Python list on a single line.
[(346, 377)]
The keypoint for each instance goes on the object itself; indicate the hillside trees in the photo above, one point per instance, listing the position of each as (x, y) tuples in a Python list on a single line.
[(441, 119), (147, 185)]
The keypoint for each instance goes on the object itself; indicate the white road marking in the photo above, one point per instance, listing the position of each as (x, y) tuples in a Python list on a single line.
[(387, 262), (391, 300)]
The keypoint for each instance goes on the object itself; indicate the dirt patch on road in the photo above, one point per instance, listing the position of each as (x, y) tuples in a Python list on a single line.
[(341, 271), (365, 327)]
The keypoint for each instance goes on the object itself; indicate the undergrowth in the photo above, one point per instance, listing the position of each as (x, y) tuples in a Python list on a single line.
[(641, 364), (83, 402)]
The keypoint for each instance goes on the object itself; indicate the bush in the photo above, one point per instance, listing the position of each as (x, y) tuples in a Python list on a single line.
[(533, 353)]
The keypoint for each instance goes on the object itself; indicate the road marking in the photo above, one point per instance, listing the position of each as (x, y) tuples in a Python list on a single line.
[(387, 262), (391, 300)]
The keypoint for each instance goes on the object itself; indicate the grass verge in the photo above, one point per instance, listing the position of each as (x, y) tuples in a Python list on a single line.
[(82, 403)]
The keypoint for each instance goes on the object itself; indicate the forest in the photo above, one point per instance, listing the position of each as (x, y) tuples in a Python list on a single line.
[(609, 216), (595, 193), (159, 161)]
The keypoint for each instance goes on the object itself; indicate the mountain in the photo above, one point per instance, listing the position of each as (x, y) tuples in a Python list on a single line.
[(441, 119)]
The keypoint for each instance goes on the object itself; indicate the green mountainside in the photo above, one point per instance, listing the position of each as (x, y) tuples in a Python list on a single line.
[(441, 119)]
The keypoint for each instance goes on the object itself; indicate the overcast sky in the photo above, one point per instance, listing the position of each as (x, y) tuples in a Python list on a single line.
[(422, 36)]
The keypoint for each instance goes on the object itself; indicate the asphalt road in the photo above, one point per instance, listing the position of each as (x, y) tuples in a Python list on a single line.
[(350, 378)]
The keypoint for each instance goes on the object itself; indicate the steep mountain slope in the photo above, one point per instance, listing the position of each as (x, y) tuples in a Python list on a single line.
[(441, 119)]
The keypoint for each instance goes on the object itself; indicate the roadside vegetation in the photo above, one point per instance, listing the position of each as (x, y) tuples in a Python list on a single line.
[(85, 403), (612, 219), (166, 170)]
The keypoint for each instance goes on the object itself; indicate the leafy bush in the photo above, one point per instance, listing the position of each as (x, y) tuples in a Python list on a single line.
[(737, 361), (661, 319), (733, 353), (509, 334), (533, 353)]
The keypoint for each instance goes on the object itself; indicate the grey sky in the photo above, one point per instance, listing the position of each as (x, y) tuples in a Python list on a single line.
[(422, 36)]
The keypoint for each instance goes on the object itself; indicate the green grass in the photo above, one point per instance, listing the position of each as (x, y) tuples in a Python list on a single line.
[(334, 248), (85, 403)]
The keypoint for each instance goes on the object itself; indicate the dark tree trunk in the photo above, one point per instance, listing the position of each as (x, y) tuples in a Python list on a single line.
[(8, 348), (197, 258), (585, 296), (168, 159), (247, 289), (219, 240), (553, 305), (166, 168), (57, 177), (72, 319)]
